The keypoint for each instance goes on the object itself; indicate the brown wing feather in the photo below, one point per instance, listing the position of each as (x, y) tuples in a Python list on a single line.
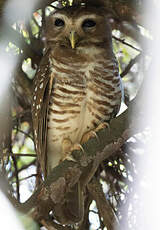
[(42, 89)]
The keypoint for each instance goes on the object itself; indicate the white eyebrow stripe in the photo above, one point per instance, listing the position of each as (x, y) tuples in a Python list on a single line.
[(93, 16), (70, 20), (59, 15)]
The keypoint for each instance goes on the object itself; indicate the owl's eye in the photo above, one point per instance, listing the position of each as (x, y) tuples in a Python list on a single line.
[(59, 22), (88, 23)]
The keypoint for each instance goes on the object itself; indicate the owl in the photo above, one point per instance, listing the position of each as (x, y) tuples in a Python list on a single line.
[(76, 88)]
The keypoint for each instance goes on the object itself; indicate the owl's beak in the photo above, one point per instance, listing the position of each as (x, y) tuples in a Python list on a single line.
[(73, 39)]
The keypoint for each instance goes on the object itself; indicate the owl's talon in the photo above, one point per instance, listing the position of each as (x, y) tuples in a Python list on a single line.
[(77, 147), (93, 133), (68, 148), (69, 157), (102, 126), (66, 145), (88, 135)]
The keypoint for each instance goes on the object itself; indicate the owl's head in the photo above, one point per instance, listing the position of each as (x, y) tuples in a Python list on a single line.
[(74, 27)]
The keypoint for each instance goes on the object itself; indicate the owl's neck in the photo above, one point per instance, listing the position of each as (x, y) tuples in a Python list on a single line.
[(81, 54)]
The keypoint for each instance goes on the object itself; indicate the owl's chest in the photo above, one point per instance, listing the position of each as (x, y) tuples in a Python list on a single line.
[(67, 107), (79, 101)]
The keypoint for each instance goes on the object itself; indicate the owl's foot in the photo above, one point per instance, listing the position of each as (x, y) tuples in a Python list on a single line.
[(92, 133), (68, 147), (102, 126), (88, 135)]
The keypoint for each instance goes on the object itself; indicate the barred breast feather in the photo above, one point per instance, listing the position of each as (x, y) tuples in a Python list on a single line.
[(84, 94)]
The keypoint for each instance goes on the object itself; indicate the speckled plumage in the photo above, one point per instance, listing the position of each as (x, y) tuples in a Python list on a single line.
[(77, 89)]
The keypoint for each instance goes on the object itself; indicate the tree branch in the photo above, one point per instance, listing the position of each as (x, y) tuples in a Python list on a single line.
[(50, 225), (109, 218), (130, 65)]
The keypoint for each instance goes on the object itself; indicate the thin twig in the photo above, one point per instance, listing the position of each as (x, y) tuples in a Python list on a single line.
[(56, 8), (25, 178), (17, 179), (22, 168), (126, 43), (18, 155), (85, 223), (130, 64), (94, 212), (26, 134)]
